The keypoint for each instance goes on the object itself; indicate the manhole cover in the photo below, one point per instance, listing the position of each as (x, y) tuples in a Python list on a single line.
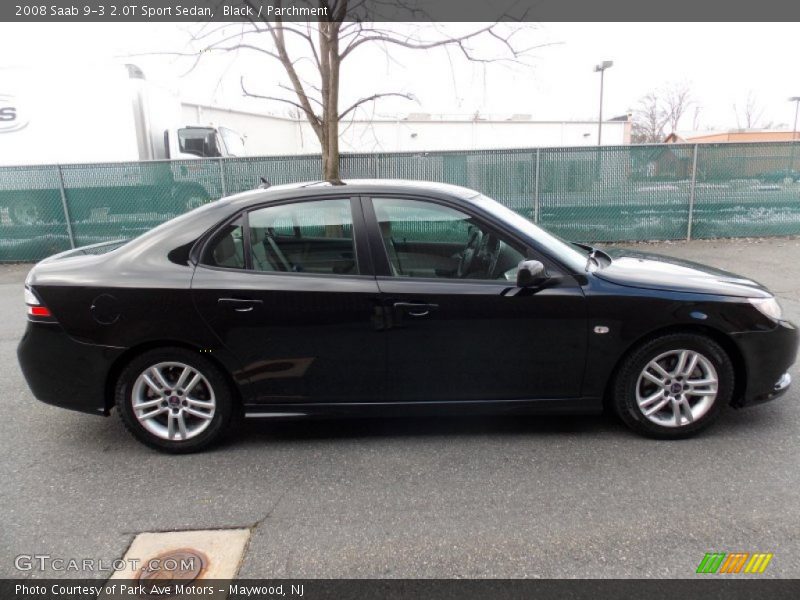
[(184, 565)]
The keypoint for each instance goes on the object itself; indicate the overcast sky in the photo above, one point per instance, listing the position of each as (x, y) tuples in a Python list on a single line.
[(723, 63)]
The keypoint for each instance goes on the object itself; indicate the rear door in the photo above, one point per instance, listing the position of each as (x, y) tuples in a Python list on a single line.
[(458, 327), (289, 289)]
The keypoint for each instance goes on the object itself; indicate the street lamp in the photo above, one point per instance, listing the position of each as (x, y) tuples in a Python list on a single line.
[(601, 68), (796, 100), (790, 169)]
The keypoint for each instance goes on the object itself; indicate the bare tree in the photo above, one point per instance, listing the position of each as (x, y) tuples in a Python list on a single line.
[(660, 112), (312, 53), (748, 115), (677, 100), (649, 119)]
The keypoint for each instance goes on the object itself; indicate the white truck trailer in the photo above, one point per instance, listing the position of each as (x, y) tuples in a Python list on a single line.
[(106, 114)]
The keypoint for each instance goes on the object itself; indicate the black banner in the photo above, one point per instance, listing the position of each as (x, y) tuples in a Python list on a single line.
[(713, 588), (396, 10)]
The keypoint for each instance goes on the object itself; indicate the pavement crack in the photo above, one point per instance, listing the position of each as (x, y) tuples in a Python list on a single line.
[(125, 551), (271, 509)]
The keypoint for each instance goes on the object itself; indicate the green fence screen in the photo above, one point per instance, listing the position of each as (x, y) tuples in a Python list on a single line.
[(610, 193)]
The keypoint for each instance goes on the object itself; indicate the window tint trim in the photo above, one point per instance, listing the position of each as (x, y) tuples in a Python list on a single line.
[(363, 252), (248, 253), (380, 258), (499, 283)]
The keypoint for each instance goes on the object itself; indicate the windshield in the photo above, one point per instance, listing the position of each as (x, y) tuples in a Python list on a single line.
[(234, 143), (558, 248)]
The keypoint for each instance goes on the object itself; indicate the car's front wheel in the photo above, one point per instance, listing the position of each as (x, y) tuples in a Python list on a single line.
[(174, 400), (673, 386)]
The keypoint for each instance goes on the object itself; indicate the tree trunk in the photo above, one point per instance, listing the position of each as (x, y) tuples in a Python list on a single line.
[(330, 155), (329, 141)]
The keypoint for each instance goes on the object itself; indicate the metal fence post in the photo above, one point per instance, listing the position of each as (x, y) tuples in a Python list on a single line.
[(222, 181), (536, 188), (65, 208), (692, 195)]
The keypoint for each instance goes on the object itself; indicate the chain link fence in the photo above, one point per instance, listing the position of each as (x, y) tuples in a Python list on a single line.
[(610, 193)]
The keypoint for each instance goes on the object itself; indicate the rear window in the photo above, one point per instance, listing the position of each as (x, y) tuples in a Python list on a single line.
[(226, 249)]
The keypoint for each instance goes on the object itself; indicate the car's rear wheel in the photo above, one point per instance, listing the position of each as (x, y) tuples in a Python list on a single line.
[(673, 386), (174, 400)]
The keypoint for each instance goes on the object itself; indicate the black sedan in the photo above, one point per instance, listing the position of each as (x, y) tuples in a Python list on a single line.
[(389, 298)]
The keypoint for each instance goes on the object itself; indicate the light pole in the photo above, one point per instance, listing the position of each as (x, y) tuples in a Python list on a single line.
[(601, 68), (796, 100)]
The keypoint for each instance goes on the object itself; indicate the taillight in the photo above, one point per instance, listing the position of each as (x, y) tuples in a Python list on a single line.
[(39, 311), (35, 307)]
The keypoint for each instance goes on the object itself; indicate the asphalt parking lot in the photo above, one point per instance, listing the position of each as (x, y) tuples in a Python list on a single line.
[(496, 497)]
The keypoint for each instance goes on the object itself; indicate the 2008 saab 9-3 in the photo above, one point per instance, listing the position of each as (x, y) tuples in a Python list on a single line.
[(379, 298)]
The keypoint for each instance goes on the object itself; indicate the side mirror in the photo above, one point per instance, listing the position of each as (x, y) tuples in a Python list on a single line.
[(530, 273)]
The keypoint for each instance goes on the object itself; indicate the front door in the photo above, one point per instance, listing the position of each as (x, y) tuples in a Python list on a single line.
[(286, 289), (459, 328)]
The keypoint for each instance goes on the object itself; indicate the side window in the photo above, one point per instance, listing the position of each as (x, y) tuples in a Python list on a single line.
[(198, 141), (304, 237), (234, 142), (227, 247), (425, 239)]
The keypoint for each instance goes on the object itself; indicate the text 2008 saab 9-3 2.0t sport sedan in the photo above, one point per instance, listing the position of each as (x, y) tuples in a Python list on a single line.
[(389, 298)]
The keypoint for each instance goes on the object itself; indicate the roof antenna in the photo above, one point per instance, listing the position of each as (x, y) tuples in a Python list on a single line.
[(264, 183)]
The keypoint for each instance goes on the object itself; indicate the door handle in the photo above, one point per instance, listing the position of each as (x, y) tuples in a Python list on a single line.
[(415, 309), (240, 304)]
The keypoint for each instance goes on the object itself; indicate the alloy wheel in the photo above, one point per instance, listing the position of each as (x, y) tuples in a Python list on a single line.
[(677, 388), (173, 401)]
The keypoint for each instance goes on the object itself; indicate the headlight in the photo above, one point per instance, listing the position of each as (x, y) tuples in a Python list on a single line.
[(768, 307)]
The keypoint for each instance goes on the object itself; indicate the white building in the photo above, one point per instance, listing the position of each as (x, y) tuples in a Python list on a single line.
[(418, 132)]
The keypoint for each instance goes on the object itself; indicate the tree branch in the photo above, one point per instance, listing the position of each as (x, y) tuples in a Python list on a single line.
[(408, 43), (372, 98), (274, 98), (283, 56)]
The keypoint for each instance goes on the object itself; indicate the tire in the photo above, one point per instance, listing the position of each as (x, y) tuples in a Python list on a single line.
[(208, 395), (697, 407)]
